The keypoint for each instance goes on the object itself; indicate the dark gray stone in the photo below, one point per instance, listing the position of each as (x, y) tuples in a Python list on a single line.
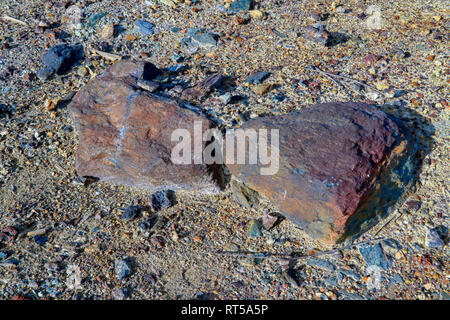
[(241, 5)]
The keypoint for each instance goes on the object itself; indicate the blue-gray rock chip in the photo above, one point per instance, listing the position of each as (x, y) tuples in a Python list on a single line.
[(434, 238), (375, 255), (130, 212), (241, 5), (60, 58), (254, 229), (145, 27), (258, 77)]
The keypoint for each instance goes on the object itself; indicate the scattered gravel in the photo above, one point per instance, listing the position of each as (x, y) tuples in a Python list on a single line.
[(402, 67)]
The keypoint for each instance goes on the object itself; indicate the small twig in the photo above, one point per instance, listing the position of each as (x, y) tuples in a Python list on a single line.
[(289, 258), (107, 55), (11, 19)]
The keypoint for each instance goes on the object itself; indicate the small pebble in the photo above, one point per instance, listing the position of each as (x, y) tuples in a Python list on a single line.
[(122, 268), (318, 35), (40, 240), (254, 229), (146, 224), (225, 98), (108, 31), (38, 232), (262, 89), (82, 71), (241, 5)]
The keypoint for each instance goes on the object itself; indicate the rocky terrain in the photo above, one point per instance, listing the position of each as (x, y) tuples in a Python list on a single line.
[(65, 236)]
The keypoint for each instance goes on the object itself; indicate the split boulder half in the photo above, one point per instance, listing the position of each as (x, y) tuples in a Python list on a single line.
[(125, 133), (342, 167)]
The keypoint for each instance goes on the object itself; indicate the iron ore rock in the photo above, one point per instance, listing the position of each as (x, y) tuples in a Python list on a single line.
[(341, 167), (125, 133)]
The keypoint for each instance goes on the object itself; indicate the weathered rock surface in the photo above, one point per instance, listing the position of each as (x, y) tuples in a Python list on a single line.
[(342, 166), (125, 133), (204, 87)]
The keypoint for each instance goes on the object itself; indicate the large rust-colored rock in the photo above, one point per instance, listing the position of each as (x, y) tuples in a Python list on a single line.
[(125, 133), (342, 167)]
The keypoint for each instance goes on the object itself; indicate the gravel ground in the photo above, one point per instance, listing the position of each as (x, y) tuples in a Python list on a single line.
[(62, 239)]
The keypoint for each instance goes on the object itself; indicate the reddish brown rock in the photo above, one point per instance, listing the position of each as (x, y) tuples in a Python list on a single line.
[(342, 167), (125, 133)]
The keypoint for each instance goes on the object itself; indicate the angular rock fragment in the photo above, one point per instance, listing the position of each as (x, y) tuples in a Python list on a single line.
[(341, 167), (161, 200), (130, 212), (59, 59), (145, 27), (258, 77), (374, 255), (204, 87), (125, 133), (122, 268), (241, 5), (243, 195), (199, 38), (436, 237), (268, 221), (254, 229)]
